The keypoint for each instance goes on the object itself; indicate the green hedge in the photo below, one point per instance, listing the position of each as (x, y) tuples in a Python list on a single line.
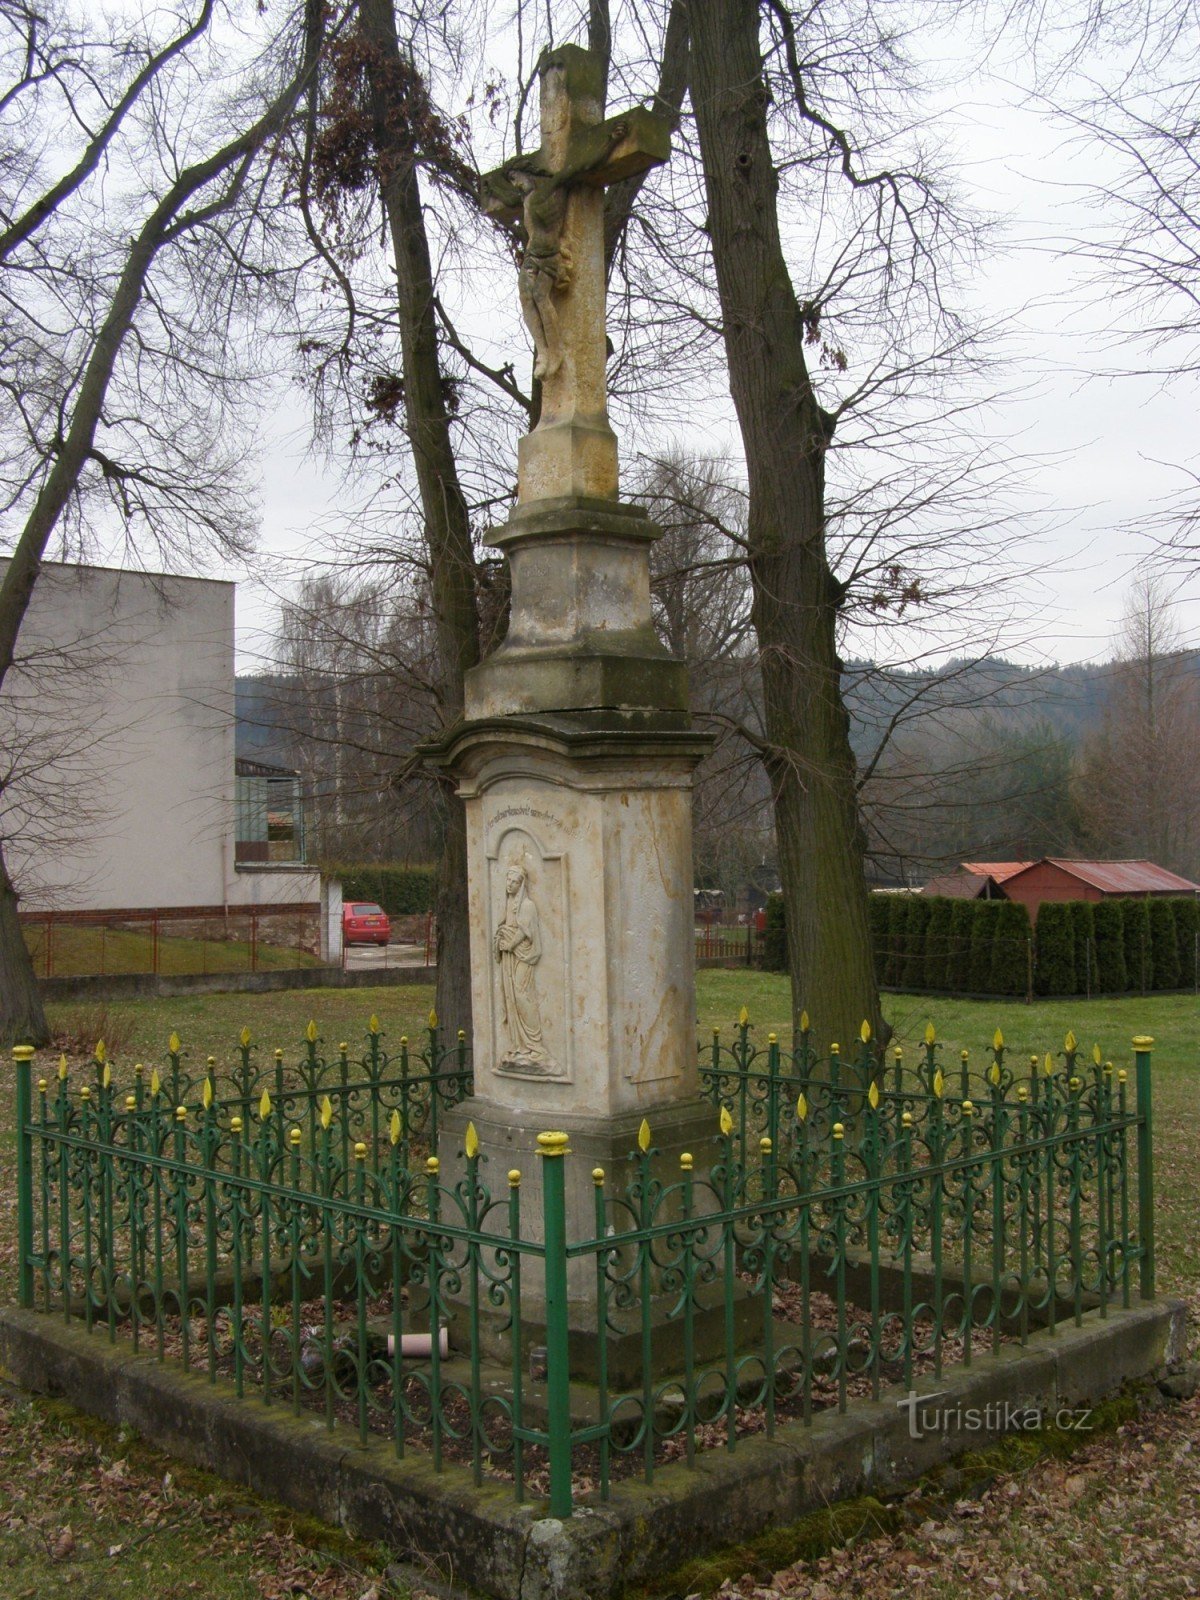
[(983, 945), (897, 935), (1139, 974), (1054, 971), (878, 912), (937, 943), (1010, 949), (1164, 944), (962, 920), (1083, 926), (912, 974), (401, 891), (1108, 921), (1187, 928)]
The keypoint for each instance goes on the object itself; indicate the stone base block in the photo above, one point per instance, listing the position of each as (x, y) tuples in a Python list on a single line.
[(577, 456), (508, 1141)]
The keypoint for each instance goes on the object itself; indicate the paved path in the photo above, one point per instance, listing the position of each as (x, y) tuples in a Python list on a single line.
[(365, 957)]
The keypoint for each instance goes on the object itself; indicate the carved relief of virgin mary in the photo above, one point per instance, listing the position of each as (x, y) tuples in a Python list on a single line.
[(518, 949)]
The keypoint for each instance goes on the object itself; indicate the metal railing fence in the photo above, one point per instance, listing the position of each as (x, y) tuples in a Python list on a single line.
[(852, 1225)]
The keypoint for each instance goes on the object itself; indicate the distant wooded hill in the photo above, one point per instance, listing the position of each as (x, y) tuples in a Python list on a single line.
[(977, 759)]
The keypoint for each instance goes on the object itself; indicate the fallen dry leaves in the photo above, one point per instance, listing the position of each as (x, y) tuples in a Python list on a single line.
[(93, 1513), (1119, 1520)]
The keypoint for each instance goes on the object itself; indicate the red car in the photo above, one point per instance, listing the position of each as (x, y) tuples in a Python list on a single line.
[(365, 923)]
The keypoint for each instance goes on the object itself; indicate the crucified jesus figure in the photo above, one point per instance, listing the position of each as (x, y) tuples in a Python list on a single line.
[(546, 267)]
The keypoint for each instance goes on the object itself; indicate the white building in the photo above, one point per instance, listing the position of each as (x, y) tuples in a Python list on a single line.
[(117, 755)]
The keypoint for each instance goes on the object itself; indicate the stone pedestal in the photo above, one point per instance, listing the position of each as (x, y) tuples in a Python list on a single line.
[(509, 1140), (595, 1015)]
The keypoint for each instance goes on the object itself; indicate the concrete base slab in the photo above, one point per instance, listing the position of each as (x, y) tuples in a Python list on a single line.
[(513, 1552)]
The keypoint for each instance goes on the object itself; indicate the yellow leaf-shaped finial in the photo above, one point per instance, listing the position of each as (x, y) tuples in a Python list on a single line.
[(997, 1040), (264, 1106), (994, 1072), (873, 1095), (101, 1050), (471, 1142), (930, 1033), (644, 1136), (326, 1111), (432, 1017), (1070, 1042), (206, 1094), (155, 1084), (743, 1017), (1048, 1065), (310, 1033), (864, 1033), (801, 1108), (106, 1075), (726, 1121), (244, 1037), (939, 1083), (62, 1065), (373, 1023), (1097, 1057), (395, 1129), (173, 1044), (804, 1022)]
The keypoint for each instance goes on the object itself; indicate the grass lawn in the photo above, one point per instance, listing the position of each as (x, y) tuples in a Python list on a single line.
[(85, 1512), (80, 950)]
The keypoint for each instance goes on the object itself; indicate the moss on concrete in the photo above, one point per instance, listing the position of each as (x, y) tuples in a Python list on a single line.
[(815, 1535)]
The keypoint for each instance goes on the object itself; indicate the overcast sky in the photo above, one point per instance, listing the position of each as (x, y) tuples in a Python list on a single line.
[(1100, 447)]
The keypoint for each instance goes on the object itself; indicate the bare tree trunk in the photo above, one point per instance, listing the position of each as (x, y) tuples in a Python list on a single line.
[(785, 434), (447, 521), (22, 1017)]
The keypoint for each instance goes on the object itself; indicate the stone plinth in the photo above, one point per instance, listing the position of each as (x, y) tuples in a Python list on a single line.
[(508, 1140), (581, 633)]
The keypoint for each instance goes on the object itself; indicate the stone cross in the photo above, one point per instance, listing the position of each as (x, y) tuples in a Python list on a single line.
[(558, 191)]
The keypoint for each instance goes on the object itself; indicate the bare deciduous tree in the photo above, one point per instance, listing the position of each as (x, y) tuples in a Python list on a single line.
[(134, 209)]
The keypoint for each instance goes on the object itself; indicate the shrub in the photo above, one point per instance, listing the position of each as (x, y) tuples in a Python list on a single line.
[(1055, 972), (983, 941), (913, 973), (878, 912), (775, 951), (1110, 973), (400, 890), (962, 921), (1187, 927), (1164, 944), (1136, 914), (1083, 926), (937, 943), (897, 934), (1010, 949)]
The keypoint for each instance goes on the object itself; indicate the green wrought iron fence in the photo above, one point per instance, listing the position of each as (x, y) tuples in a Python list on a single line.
[(852, 1224)]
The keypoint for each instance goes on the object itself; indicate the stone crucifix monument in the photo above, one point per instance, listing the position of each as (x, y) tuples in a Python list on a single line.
[(576, 755)]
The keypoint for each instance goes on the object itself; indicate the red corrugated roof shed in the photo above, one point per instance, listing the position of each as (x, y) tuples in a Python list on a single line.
[(1126, 877), (999, 870)]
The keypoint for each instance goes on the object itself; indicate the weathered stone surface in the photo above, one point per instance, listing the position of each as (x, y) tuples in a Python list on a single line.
[(601, 830), (513, 1552)]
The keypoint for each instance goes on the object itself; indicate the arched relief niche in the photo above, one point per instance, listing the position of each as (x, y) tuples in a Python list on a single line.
[(529, 945)]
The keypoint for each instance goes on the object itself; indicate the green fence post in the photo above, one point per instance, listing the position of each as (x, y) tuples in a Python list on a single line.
[(1142, 1046), (552, 1147), (23, 1061)]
